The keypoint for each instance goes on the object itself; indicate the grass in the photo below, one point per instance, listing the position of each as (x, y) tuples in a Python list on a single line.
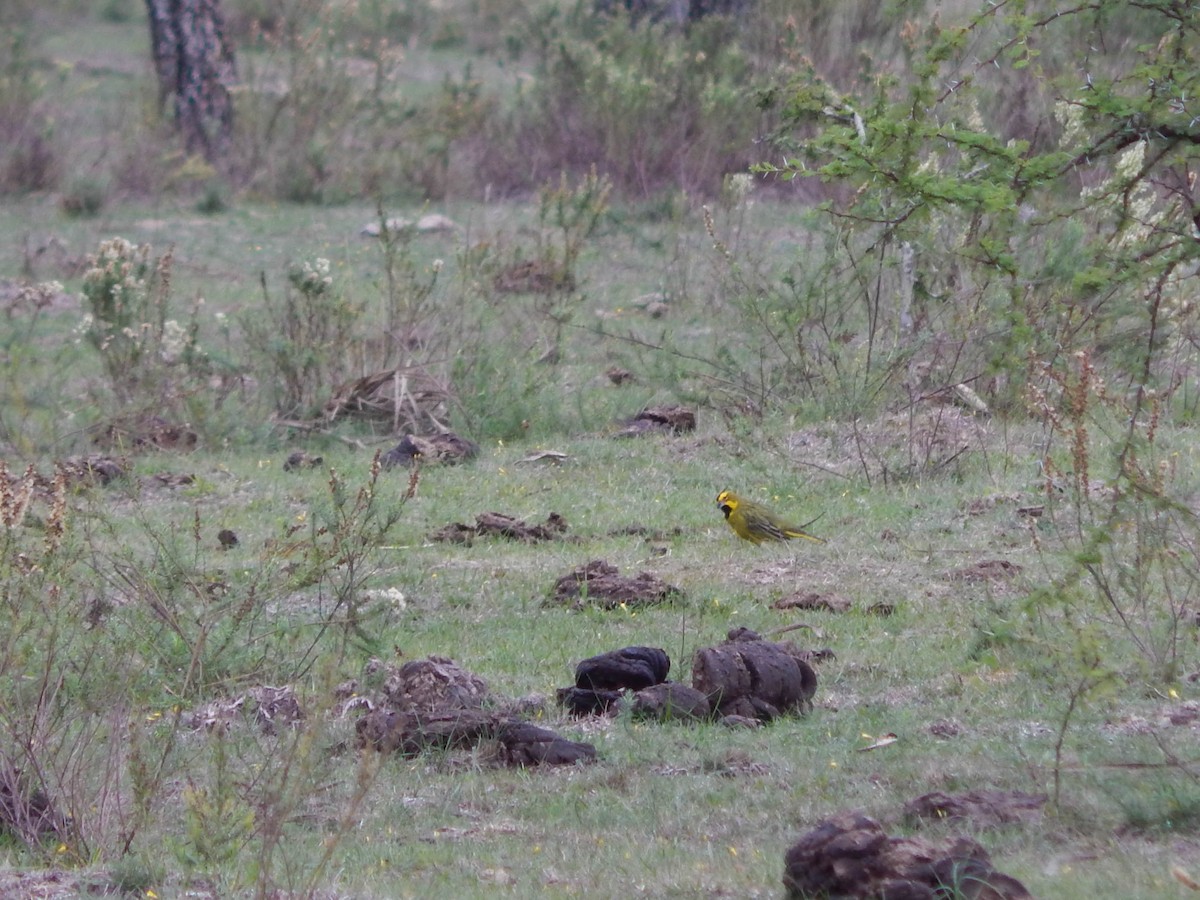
[(671, 810), (906, 504)]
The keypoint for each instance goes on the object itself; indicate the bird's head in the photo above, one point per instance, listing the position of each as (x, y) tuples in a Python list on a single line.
[(728, 501)]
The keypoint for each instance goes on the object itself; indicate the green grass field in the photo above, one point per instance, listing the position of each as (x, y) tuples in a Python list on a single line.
[(1015, 632)]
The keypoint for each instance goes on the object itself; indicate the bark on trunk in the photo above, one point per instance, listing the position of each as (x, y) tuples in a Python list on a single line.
[(196, 69)]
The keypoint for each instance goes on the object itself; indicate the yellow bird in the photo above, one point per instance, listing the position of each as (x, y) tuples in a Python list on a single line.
[(755, 523)]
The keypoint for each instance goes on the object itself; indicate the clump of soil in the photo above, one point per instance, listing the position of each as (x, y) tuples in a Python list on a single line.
[(983, 809), (659, 420), (744, 680), (298, 460), (26, 811), (985, 570), (432, 684), (631, 668), (434, 703), (850, 856), (494, 524), (142, 433), (603, 681), (813, 600), (748, 676), (534, 277), (270, 708), (529, 745), (444, 447), (598, 583), (671, 701)]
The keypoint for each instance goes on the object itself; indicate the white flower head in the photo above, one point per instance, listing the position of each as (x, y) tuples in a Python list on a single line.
[(1129, 163)]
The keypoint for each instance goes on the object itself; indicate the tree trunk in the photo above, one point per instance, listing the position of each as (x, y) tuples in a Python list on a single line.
[(195, 69)]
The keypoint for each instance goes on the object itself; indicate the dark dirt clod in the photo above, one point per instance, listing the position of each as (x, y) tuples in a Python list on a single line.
[(985, 570), (599, 584), (172, 479), (813, 600), (618, 376), (650, 534), (411, 733), (275, 707), (983, 809), (433, 684), (501, 525), (850, 855), (446, 447), (534, 277), (659, 420), (94, 468), (528, 745), (495, 524), (671, 701), (298, 460), (145, 433), (454, 533), (747, 676), (630, 668), (26, 811), (583, 702), (735, 721)]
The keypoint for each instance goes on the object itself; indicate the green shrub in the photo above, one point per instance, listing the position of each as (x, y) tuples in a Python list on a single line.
[(29, 160), (151, 360), (84, 197), (650, 108), (302, 341)]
